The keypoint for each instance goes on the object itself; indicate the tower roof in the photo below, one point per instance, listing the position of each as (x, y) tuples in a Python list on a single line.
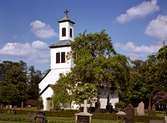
[(66, 18), (61, 43)]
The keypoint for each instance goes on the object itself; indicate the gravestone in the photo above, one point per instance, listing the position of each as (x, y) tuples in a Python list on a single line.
[(140, 109), (40, 118), (83, 117), (166, 117), (83, 105), (129, 117)]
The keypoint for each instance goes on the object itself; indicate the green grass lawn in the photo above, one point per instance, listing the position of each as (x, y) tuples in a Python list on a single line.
[(23, 118), (12, 122), (71, 120), (6, 118), (94, 121), (20, 118)]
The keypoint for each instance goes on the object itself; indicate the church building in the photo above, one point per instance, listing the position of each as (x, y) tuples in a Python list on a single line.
[(60, 64)]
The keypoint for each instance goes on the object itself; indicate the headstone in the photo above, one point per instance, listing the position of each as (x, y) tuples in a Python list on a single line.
[(140, 109), (22, 104), (40, 118), (129, 110), (166, 117), (153, 108), (83, 117), (83, 105), (10, 106)]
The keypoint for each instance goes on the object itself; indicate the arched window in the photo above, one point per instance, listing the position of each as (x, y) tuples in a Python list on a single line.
[(70, 32), (63, 32)]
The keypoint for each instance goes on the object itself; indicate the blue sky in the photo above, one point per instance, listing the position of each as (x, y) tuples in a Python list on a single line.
[(28, 27)]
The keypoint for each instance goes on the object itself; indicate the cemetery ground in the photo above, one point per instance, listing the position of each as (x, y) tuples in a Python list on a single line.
[(53, 119), (68, 117)]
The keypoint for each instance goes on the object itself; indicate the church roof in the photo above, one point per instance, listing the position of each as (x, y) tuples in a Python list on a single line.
[(49, 85), (66, 18), (61, 43)]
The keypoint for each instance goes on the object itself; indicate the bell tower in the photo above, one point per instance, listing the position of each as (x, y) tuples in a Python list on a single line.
[(66, 27), (61, 49)]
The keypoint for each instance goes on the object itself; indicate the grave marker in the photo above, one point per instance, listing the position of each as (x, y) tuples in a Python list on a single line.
[(140, 109), (83, 117)]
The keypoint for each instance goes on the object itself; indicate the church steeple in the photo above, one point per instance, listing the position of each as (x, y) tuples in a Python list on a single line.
[(66, 27)]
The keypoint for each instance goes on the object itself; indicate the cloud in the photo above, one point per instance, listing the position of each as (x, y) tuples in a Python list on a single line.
[(35, 52), (42, 30), (39, 45), (16, 49), (136, 52), (139, 11), (158, 28)]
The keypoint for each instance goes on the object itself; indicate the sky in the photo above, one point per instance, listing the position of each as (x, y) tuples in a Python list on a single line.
[(137, 28)]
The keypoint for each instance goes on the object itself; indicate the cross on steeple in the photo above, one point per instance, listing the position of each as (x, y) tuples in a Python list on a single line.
[(66, 12)]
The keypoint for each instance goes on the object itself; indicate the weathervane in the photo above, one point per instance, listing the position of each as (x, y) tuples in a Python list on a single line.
[(66, 12)]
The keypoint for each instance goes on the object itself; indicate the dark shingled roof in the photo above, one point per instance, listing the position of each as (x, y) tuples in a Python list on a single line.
[(66, 18), (61, 43), (49, 85)]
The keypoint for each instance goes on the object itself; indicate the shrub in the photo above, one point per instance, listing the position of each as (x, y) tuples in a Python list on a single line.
[(120, 106)]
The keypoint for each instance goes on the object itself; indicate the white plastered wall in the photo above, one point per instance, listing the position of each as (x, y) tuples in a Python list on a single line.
[(66, 25), (54, 74), (51, 78), (114, 99), (67, 64)]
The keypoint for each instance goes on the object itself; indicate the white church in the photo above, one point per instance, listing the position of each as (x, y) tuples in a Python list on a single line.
[(60, 64)]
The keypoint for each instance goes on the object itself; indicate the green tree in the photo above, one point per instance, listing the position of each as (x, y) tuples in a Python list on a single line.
[(148, 76), (15, 85), (34, 78), (96, 65), (61, 92), (14, 78)]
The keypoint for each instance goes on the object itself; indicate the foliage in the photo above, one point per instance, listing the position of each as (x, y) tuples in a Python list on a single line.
[(121, 105), (61, 92), (15, 83), (147, 76), (85, 91), (34, 78), (96, 65)]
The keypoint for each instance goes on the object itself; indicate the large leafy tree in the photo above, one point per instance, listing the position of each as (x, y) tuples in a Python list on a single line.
[(13, 83), (34, 78), (61, 91), (17, 83), (148, 76), (96, 65)]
